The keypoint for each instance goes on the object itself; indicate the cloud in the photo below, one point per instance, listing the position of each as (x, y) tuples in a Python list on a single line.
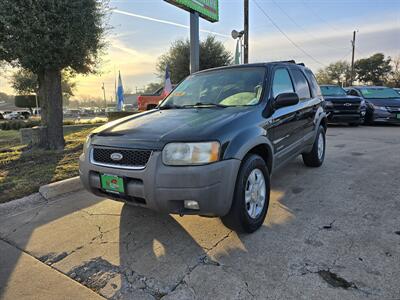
[(165, 22), (327, 45)]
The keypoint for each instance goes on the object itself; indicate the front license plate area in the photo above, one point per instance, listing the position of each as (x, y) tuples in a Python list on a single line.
[(398, 116), (112, 183)]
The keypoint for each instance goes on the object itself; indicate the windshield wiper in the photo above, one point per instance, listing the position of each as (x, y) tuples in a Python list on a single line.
[(200, 104), (169, 106)]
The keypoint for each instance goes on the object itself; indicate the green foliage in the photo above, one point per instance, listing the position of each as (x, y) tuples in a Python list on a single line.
[(114, 115), (51, 34), (336, 73), (394, 78), (212, 54), (374, 69), (18, 124), (152, 87), (25, 82), (25, 101)]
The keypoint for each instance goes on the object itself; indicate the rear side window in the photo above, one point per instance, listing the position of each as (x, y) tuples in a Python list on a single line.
[(353, 93), (314, 84), (302, 87), (282, 83)]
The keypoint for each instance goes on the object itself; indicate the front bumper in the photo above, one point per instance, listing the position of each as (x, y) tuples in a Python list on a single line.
[(385, 117), (164, 188), (345, 118)]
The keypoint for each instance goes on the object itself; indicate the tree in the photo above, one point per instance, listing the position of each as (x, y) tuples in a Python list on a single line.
[(394, 78), (335, 73), (24, 82), (212, 54), (374, 69), (152, 87), (46, 37)]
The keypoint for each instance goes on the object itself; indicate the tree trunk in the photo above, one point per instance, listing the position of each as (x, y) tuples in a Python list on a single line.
[(54, 137), (42, 98)]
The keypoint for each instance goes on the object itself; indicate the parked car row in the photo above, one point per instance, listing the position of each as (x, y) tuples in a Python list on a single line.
[(15, 115), (83, 112), (361, 104)]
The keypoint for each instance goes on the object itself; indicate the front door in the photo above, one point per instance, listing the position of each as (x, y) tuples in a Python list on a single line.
[(285, 120)]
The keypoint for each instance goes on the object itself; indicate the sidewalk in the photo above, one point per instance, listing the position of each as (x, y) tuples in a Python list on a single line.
[(33, 279)]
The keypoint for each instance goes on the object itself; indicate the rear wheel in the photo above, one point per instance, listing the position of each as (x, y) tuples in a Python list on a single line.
[(316, 157), (251, 198)]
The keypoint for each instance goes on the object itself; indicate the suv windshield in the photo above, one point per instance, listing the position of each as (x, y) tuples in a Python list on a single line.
[(220, 88), (332, 91), (379, 93)]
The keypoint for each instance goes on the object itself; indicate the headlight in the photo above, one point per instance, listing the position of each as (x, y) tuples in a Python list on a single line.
[(180, 154), (379, 107), (87, 143)]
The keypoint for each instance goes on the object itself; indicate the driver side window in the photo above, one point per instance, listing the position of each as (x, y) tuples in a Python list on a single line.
[(282, 83)]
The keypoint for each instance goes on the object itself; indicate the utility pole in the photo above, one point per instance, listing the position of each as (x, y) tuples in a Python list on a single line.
[(104, 96), (246, 31), (194, 42), (353, 44)]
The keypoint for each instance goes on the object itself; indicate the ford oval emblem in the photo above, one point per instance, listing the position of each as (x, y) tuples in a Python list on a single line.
[(116, 156), (347, 104)]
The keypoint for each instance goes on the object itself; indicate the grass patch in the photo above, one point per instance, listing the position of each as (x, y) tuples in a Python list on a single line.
[(9, 138), (24, 170)]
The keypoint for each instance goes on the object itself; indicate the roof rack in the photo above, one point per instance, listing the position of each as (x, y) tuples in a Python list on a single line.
[(292, 61)]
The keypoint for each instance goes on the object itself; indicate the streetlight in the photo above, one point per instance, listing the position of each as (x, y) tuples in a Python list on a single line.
[(238, 35)]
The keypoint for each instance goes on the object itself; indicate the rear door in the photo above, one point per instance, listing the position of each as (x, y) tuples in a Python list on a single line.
[(309, 103)]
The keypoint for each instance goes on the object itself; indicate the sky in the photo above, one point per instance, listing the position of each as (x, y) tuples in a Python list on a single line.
[(314, 32)]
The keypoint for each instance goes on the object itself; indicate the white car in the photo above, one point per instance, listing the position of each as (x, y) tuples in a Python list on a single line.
[(13, 116)]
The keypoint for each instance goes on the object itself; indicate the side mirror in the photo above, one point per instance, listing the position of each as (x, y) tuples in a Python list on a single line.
[(286, 99)]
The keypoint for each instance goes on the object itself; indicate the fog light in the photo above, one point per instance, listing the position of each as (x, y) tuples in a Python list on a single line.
[(191, 204)]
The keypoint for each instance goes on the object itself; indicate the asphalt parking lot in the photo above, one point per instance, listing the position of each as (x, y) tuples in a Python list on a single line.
[(330, 233)]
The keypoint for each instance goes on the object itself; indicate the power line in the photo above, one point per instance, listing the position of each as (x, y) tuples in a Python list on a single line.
[(301, 27), (287, 37), (319, 17)]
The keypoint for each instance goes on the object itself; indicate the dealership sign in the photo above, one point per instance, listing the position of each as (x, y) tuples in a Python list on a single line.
[(207, 9)]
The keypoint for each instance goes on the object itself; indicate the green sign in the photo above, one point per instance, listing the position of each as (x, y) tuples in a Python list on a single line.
[(207, 9)]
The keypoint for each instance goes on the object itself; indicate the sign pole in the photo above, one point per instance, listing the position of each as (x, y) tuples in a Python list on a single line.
[(194, 42)]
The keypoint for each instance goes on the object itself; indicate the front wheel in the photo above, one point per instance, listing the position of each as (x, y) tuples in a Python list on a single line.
[(316, 157), (251, 198)]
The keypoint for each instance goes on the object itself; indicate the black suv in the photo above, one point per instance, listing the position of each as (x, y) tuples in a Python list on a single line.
[(383, 103), (210, 147), (342, 108)]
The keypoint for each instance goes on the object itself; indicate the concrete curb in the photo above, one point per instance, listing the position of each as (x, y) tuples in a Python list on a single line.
[(62, 187)]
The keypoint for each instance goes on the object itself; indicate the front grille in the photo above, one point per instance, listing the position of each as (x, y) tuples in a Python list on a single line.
[(132, 158), (353, 107)]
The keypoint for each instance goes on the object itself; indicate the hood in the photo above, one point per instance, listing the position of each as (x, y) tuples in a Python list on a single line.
[(155, 128), (385, 102), (342, 99)]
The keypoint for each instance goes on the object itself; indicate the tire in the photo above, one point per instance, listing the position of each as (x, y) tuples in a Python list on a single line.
[(315, 158), (239, 218)]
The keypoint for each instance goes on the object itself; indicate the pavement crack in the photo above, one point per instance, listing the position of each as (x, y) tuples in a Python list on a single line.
[(209, 249), (100, 214)]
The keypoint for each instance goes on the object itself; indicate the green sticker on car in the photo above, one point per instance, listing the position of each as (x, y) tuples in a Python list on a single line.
[(112, 183)]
